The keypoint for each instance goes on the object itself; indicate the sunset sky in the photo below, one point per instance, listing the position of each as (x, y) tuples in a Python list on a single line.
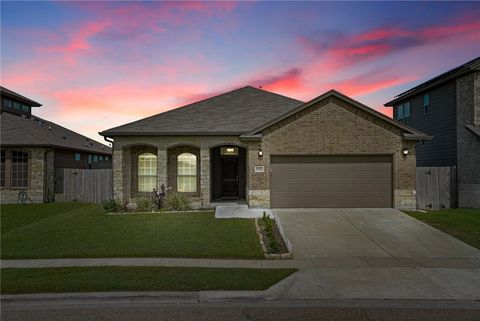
[(94, 66)]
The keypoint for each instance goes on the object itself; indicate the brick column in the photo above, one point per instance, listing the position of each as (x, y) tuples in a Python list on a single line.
[(162, 175), (205, 176)]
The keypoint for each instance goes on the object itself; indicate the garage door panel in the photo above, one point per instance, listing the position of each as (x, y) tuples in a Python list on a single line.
[(320, 182)]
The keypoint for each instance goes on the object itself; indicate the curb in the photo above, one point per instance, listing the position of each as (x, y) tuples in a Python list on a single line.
[(132, 297)]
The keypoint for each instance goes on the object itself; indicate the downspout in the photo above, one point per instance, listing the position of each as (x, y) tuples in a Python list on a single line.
[(46, 194)]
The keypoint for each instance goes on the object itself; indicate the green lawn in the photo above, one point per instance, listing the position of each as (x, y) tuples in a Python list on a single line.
[(74, 230), (463, 224), (116, 278)]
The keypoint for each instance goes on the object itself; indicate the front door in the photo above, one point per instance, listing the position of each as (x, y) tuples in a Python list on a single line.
[(229, 177)]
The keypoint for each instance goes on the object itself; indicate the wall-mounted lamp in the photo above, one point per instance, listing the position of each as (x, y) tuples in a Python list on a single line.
[(260, 153), (405, 152)]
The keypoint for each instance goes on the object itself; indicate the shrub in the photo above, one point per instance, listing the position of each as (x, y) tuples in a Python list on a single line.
[(111, 205), (176, 201), (268, 227), (145, 204)]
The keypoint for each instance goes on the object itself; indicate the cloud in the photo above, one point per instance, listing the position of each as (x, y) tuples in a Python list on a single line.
[(287, 80), (342, 49)]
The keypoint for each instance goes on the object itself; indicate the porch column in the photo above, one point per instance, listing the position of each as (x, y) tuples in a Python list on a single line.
[(205, 176), (162, 167), (117, 164)]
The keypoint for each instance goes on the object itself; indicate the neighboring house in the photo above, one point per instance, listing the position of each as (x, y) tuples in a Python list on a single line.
[(271, 151), (33, 151), (448, 108)]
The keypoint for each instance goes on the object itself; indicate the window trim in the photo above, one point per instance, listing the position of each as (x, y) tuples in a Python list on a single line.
[(426, 105), (29, 171), (152, 175), (194, 176), (404, 119)]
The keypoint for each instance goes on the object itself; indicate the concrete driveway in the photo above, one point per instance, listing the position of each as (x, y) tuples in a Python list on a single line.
[(375, 254), (366, 233)]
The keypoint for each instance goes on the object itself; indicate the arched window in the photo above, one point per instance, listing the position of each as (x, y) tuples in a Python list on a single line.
[(187, 173), (147, 172)]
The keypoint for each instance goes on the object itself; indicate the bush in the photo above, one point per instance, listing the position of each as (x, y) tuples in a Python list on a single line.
[(268, 227), (111, 206), (145, 204), (176, 201)]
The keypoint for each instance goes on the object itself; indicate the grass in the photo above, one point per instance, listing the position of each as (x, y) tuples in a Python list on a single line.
[(116, 278), (463, 224), (74, 230)]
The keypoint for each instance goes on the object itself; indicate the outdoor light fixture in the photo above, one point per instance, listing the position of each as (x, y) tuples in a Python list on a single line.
[(260, 153), (405, 152), (230, 150)]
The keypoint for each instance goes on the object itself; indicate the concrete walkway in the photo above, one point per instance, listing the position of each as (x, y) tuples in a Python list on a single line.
[(239, 211), (309, 264)]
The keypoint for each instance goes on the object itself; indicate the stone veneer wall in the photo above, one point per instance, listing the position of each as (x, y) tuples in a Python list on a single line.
[(334, 127), (122, 166), (468, 144), (36, 176)]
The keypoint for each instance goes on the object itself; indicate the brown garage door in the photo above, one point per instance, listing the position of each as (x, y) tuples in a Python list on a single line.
[(331, 181)]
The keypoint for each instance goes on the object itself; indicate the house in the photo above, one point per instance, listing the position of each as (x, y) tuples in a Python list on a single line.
[(34, 150), (448, 108), (270, 151)]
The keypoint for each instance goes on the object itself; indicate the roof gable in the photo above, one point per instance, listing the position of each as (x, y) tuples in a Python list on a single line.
[(232, 113), (408, 133)]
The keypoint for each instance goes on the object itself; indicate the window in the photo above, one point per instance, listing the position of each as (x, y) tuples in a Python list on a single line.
[(403, 113), (25, 109), (2, 169), (187, 173), (426, 104), (77, 157), (100, 158), (147, 172), (19, 169), (229, 151), (95, 158), (106, 158), (17, 105), (89, 159), (7, 103)]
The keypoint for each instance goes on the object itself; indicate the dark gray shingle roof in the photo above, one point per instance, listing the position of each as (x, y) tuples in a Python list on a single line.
[(233, 113), (471, 66), (33, 131), (10, 93)]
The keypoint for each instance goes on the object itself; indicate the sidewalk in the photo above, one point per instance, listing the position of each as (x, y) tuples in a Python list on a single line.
[(300, 264), (325, 278)]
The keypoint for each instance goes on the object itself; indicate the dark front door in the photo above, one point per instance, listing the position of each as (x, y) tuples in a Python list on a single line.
[(230, 177)]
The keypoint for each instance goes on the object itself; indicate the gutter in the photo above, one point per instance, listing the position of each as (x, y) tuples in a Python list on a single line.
[(421, 137)]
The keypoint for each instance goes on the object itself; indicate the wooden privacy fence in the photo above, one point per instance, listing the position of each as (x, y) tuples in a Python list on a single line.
[(84, 185), (436, 187)]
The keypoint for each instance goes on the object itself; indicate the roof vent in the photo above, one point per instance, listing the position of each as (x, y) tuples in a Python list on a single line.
[(49, 127), (101, 147), (64, 137)]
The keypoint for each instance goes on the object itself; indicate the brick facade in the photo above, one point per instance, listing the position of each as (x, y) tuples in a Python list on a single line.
[(468, 145), (333, 127), (37, 169), (330, 127)]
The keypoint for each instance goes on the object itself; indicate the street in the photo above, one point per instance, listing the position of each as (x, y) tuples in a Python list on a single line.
[(344, 310)]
